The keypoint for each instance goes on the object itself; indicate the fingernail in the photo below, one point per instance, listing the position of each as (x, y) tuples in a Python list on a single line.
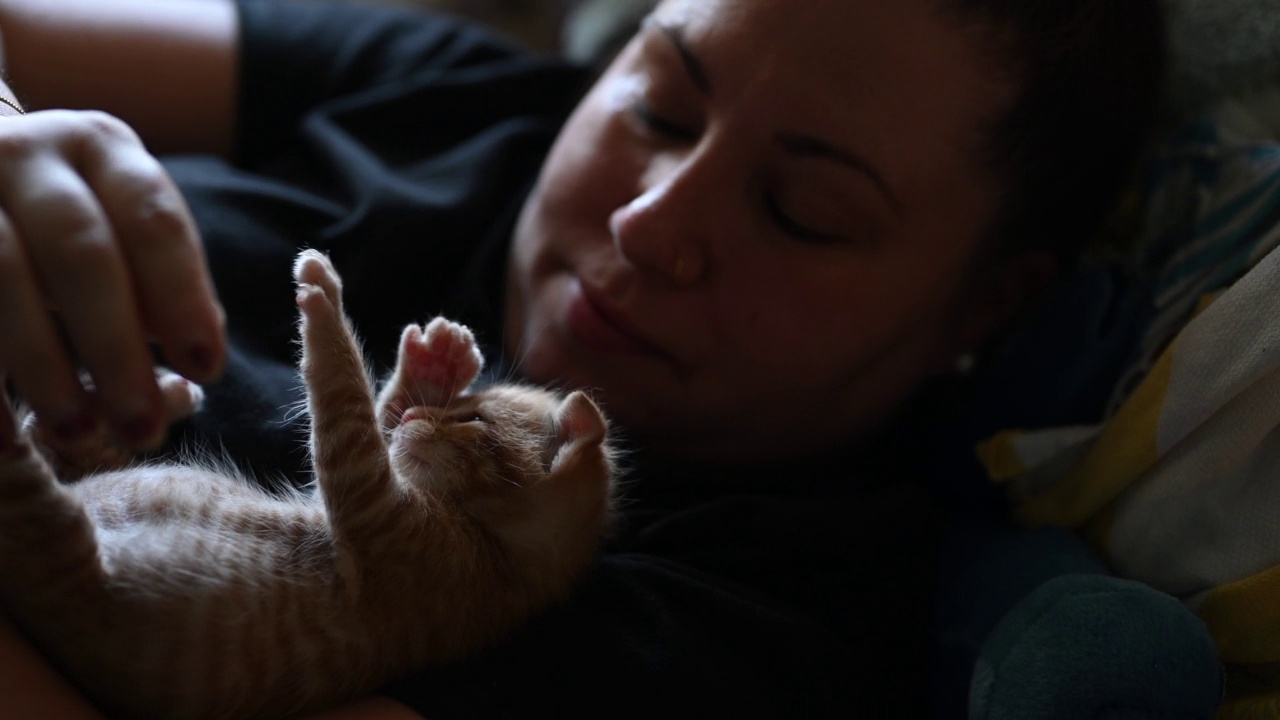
[(74, 428), (201, 358)]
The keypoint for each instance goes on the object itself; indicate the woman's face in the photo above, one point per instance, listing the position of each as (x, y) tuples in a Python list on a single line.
[(753, 236)]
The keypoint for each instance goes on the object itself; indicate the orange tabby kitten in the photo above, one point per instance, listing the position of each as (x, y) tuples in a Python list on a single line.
[(439, 522)]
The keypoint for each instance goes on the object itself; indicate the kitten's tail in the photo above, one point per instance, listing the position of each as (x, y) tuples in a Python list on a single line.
[(48, 550)]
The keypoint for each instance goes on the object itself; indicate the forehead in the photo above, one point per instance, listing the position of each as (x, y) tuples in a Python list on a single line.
[(895, 76)]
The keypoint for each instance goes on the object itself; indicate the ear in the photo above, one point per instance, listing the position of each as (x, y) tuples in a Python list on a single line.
[(579, 424), (995, 295), (579, 420)]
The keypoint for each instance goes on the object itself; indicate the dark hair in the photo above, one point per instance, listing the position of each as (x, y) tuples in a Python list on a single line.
[(1090, 75)]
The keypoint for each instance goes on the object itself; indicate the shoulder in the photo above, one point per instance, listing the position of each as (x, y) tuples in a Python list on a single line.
[(369, 41)]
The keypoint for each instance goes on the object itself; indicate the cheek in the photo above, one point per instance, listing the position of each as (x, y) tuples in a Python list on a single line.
[(590, 173), (820, 322), (802, 317)]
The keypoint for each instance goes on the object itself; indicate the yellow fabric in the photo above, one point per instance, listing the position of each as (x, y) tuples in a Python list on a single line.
[(1000, 456), (1244, 618)]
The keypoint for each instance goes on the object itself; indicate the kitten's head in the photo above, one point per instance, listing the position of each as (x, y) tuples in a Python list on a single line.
[(532, 468)]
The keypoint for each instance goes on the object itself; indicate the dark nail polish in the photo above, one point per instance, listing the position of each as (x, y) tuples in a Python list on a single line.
[(74, 428), (201, 357)]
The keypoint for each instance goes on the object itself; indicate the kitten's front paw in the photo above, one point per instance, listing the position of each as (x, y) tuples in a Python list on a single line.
[(443, 354), (319, 286), (436, 363)]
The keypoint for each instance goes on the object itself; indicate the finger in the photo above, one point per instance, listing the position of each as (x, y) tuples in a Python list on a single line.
[(31, 350), (74, 254), (162, 249)]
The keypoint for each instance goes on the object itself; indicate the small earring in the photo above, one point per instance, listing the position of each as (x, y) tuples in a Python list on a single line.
[(965, 363), (678, 271)]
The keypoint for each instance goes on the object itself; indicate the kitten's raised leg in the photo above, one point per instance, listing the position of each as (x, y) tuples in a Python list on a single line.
[(436, 363), (349, 455)]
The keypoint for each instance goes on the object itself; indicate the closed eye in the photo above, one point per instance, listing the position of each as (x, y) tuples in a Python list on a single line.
[(659, 125), (465, 417), (793, 228)]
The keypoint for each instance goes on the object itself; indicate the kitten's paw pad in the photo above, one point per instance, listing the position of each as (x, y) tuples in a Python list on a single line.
[(443, 353), (182, 398), (317, 280)]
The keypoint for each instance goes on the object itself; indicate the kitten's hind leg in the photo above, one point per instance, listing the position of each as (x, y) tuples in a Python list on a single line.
[(101, 451), (349, 455), (436, 362)]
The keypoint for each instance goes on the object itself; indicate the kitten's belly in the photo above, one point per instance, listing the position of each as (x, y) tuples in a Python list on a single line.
[(203, 576), (197, 528)]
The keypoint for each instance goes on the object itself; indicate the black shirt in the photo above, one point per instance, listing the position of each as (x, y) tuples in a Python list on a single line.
[(403, 144)]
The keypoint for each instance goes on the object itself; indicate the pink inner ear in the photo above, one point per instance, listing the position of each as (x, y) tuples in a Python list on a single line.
[(579, 419)]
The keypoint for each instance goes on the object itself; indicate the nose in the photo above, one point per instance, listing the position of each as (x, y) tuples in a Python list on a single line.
[(421, 412), (664, 228)]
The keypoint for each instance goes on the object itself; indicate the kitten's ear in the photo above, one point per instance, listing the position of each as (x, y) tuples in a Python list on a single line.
[(579, 424), (578, 418)]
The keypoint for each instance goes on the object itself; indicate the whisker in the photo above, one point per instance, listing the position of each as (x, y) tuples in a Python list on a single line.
[(522, 352)]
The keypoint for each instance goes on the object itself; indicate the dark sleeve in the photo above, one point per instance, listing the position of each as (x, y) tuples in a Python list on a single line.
[(296, 55), (745, 607)]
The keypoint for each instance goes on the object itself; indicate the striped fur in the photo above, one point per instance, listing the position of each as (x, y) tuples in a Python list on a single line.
[(185, 591)]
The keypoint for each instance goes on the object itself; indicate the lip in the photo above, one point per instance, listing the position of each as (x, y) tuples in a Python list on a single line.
[(595, 324)]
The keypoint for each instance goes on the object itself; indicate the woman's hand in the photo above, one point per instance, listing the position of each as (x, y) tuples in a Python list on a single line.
[(98, 257)]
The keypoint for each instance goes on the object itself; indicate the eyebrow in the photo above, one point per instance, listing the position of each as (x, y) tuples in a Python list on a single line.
[(692, 65), (798, 144), (808, 146)]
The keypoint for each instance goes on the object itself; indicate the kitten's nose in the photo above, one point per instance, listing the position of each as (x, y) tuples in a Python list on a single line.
[(417, 413)]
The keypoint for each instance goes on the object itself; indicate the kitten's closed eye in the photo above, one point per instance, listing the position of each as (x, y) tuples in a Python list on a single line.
[(459, 417)]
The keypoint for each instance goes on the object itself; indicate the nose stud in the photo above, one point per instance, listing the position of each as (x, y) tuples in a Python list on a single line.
[(685, 268), (656, 248)]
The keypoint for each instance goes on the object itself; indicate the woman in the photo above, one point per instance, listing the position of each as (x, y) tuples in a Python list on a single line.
[(762, 232)]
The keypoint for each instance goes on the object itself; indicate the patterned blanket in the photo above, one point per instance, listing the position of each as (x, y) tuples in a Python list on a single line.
[(1179, 487)]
